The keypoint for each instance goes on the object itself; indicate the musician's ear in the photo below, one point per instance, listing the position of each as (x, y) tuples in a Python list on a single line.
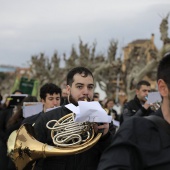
[(68, 89), (163, 88), (43, 101)]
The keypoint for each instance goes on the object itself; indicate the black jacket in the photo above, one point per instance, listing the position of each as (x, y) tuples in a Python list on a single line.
[(5, 161), (4, 117), (139, 144), (134, 108), (31, 120), (87, 160)]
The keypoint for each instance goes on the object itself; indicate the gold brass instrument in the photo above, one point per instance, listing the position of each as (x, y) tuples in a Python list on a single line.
[(155, 106), (24, 149), (66, 132)]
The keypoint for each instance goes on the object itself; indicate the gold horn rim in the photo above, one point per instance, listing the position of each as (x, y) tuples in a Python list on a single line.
[(24, 149)]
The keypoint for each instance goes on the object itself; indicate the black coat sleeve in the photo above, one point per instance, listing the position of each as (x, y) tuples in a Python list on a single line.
[(40, 129), (136, 146), (130, 109), (2, 124), (121, 153)]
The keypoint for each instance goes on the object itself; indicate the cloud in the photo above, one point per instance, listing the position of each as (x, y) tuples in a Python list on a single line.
[(31, 27)]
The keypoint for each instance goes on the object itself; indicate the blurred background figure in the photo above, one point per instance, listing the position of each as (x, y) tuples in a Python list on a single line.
[(6, 100), (139, 105), (1, 106), (64, 96), (50, 95), (17, 117), (13, 123), (109, 106), (17, 92), (96, 97), (6, 113)]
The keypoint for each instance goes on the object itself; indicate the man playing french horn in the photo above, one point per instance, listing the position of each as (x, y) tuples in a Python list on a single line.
[(80, 87)]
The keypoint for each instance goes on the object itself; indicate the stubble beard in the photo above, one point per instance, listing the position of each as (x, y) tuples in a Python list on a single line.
[(72, 100)]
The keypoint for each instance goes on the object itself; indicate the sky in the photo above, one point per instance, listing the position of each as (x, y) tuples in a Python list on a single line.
[(29, 27)]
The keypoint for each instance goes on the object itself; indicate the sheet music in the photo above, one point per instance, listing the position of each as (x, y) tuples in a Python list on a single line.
[(30, 110), (154, 97)]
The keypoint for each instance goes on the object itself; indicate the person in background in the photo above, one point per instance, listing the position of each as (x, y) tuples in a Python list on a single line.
[(139, 105), (118, 107), (6, 113), (80, 87), (109, 106), (64, 96), (1, 106), (6, 101), (13, 123), (18, 91), (7, 98), (15, 120), (96, 96), (50, 95), (143, 143)]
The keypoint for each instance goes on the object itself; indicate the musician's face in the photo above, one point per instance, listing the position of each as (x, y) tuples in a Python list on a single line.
[(51, 101), (110, 105), (143, 92), (82, 89)]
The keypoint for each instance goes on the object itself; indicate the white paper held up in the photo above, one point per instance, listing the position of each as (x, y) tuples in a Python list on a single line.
[(89, 112), (154, 97)]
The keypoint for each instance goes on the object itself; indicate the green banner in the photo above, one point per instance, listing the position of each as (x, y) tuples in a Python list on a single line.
[(26, 86)]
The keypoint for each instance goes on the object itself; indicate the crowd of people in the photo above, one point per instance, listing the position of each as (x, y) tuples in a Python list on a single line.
[(136, 138)]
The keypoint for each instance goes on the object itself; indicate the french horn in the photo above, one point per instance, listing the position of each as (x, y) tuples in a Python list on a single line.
[(24, 149)]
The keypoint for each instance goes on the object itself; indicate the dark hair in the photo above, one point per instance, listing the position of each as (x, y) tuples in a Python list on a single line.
[(96, 95), (49, 88), (163, 71), (19, 114), (77, 70), (19, 91), (142, 82), (1, 97), (108, 100), (30, 99)]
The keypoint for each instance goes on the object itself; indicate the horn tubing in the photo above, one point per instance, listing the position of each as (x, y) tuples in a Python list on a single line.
[(27, 149)]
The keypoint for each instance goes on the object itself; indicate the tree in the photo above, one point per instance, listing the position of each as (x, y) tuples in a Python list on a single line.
[(107, 69)]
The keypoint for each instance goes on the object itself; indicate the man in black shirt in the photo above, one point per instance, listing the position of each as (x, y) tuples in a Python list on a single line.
[(80, 87), (50, 95), (138, 106), (143, 143)]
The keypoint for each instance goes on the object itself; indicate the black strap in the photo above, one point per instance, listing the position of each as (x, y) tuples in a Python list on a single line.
[(159, 122)]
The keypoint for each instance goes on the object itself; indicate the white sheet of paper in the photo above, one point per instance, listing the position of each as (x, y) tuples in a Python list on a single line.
[(49, 109), (73, 108), (89, 111), (116, 123), (154, 97), (32, 109)]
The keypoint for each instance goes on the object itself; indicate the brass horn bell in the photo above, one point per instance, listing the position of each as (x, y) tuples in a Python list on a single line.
[(24, 149)]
